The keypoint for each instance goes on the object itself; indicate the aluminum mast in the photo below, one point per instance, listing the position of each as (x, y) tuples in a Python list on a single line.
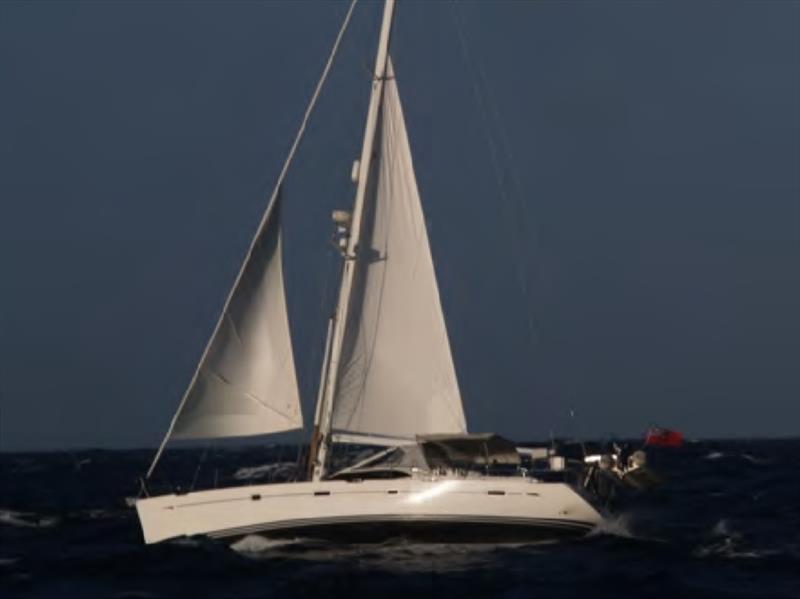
[(321, 438)]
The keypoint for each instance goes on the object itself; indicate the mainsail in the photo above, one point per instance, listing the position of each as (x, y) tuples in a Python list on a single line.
[(396, 374), (245, 383)]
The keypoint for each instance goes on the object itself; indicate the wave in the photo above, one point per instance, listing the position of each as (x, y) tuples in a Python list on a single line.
[(97, 514), (729, 543), (718, 455), (186, 542), (26, 519), (715, 455), (8, 561), (254, 544), (613, 527), (728, 548), (402, 556), (755, 460)]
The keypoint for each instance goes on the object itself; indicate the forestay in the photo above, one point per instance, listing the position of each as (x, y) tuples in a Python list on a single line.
[(245, 383), (396, 375)]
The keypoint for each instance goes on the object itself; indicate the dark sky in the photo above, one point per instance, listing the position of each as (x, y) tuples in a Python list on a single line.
[(612, 192)]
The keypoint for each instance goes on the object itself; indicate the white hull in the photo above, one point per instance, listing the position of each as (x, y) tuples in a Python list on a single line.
[(463, 509)]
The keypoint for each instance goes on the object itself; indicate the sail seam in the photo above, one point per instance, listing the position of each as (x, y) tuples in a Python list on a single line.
[(235, 330), (249, 395)]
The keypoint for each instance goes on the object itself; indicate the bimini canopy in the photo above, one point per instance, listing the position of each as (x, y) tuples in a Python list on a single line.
[(431, 452), (467, 450)]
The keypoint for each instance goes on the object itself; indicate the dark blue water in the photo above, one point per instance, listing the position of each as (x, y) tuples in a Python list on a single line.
[(728, 526)]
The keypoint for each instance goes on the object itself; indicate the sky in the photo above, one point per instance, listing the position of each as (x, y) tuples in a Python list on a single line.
[(612, 192)]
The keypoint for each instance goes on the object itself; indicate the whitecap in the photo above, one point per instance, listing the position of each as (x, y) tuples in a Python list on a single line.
[(723, 529), (729, 548), (81, 463), (729, 544), (714, 455), (615, 527), (253, 544), (26, 519)]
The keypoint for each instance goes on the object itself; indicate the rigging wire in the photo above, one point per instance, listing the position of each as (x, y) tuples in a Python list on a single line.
[(500, 152), (513, 207), (273, 197), (199, 466)]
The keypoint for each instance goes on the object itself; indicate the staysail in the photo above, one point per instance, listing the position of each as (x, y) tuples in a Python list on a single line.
[(245, 383), (396, 375)]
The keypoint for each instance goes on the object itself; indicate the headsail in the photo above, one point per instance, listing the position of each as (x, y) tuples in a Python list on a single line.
[(396, 374), (245, 383)]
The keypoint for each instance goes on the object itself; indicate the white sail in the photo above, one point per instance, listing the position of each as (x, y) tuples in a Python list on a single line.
[(396, 374), (245, 383)]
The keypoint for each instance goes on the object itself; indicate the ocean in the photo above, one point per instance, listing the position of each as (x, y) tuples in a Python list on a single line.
[(726, 525)]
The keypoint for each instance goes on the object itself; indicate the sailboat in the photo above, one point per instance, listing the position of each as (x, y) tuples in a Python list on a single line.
[(387, 380)]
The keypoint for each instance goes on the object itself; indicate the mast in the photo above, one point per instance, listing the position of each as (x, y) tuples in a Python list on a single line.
[(323, 376), (321, 438)]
